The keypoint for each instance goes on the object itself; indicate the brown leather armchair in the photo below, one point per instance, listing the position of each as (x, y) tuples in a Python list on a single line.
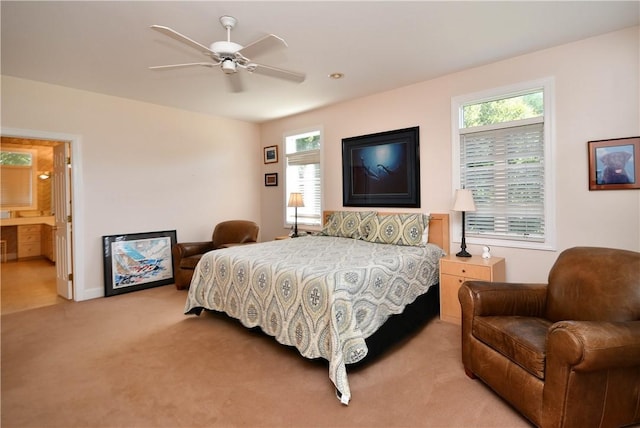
[(186, 255), (564, 354)]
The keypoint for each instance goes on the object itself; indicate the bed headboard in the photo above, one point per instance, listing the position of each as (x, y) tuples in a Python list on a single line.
[(438, 228)]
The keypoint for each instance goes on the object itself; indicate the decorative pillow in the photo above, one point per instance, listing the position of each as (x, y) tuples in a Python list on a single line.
[(347, 224), (398, 229)]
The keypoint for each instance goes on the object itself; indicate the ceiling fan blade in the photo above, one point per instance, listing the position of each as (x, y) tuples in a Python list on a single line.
[(190, 64), (279, 73), (184, 39), (260, 46), (235, 82)]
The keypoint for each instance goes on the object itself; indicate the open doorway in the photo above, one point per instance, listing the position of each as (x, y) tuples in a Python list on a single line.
[(39, 254)]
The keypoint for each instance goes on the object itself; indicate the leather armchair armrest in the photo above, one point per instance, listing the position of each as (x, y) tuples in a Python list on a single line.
[(481, 298), (186, 249), (595, 345)]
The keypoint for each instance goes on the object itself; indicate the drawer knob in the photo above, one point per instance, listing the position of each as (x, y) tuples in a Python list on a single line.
[(464, 271)]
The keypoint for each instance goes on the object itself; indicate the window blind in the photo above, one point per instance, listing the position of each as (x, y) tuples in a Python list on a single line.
[(303, 175), (504, 168), (16, 186)]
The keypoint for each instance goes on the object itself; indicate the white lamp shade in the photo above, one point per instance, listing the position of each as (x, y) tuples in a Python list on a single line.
[(464, 201), (295, 200)]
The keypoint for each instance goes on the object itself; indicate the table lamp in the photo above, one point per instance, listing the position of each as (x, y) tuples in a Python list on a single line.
[(463, 202), (295, 200)]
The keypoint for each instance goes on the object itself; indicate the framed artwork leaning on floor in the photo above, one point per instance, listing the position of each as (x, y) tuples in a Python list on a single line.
[(137, 261)]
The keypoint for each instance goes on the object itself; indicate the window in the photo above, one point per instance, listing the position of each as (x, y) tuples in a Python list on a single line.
[(303, 174), (18, 186), (503, 154)]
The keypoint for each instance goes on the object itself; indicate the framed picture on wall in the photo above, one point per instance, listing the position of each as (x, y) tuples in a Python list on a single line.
[(382, 170), (271, 154), (137, 261), (613, 164), (271, 179)]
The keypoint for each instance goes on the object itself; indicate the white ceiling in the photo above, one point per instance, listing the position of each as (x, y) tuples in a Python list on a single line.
[(107, 47)]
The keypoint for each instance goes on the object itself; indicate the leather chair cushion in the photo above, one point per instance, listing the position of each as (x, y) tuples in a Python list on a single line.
[(190, 262), (520, 339)]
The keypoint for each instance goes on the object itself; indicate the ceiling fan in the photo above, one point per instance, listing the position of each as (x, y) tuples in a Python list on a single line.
[(231, 56)]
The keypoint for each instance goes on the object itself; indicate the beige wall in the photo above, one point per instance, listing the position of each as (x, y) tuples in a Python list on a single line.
[(142, 167), (597, 90)]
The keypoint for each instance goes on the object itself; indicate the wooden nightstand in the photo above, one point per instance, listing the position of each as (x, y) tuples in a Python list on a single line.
[(456, 270)]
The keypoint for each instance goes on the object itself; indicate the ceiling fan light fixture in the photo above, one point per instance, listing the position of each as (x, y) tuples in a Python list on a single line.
[(336, 76), (228, 66)]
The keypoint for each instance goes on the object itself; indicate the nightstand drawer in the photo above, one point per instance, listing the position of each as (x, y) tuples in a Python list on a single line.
[(467, 270), (454, 271)]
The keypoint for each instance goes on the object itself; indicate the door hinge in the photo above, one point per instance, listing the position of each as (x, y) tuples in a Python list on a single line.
[(69, 219), (70, 277), (68, 160)]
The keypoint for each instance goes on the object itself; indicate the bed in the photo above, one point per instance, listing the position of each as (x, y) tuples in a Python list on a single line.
[(327, 294)]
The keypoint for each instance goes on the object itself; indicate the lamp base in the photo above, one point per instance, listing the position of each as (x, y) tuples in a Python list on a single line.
[(463, 242), (463, 253)]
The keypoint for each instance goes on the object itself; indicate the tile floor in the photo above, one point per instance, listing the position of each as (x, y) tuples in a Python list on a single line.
[(28, 284)]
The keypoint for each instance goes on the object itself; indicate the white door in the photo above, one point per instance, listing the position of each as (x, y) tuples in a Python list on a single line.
[(62, 209)]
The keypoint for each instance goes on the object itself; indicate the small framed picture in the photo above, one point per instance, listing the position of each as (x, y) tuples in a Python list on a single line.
[(613, 164), (271, 179), (271, 154)]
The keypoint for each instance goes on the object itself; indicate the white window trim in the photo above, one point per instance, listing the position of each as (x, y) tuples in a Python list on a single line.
[(283, 150), (548, 85)]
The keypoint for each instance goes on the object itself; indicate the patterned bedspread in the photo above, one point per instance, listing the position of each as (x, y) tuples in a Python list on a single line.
[(324, 295)]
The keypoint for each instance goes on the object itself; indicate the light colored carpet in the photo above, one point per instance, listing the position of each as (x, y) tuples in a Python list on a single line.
[(135, 360)]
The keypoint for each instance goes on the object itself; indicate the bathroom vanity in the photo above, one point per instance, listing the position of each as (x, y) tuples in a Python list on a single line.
[(28, 237)]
